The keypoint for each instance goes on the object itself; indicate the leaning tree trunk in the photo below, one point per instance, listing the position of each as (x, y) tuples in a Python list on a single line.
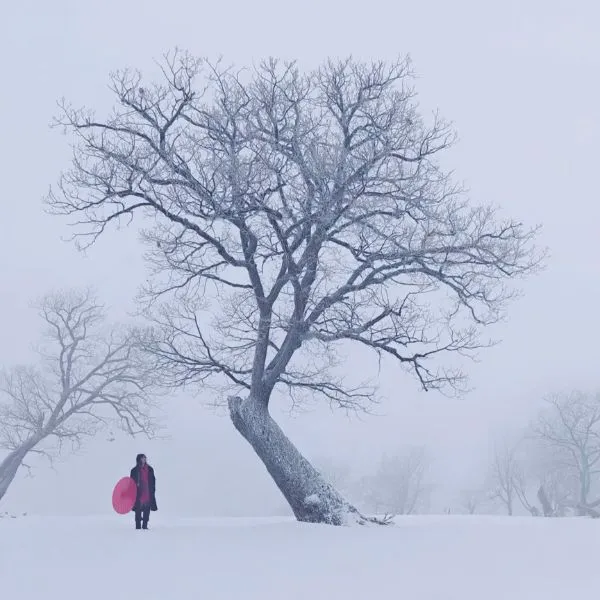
[(310, 497), (545, 502), (9, 467)]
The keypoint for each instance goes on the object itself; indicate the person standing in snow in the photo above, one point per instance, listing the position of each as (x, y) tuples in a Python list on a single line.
[(143, 475)]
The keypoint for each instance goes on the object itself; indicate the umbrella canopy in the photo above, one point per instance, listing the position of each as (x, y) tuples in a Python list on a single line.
[(124, 495)]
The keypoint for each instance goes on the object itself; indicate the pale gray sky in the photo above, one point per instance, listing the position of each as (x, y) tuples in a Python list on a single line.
[(517, 78)]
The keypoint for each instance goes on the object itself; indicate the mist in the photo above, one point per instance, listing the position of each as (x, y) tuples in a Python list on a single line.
[(517, 81)]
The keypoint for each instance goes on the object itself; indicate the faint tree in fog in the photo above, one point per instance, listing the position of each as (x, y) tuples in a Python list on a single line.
[(522, 491), (337, 474), (570, 424), (557, 491), (546, 486), (472, 500), (398, 486), (506, 474), (555, 494), (87, 377), (292, 215)]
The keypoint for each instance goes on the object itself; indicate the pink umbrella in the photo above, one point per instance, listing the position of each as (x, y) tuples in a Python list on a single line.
[(124, 495)]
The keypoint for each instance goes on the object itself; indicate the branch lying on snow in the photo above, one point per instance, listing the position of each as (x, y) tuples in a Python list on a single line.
[(384, 520)]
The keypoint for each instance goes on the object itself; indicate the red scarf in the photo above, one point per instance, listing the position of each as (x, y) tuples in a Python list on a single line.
[(145, 486)]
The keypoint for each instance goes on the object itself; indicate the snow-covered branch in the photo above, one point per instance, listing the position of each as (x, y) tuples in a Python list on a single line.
[(311, 204)]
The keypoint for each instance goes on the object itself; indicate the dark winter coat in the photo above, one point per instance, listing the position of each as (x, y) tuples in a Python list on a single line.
[(136, 476)]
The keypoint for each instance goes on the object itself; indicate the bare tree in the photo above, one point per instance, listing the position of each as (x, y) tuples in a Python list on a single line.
[(85, 380), (570, 425), (398, 486), (471, 500), (507, 475), (337, 473), (544, 476), (292, 214), (522, 492), (555, 493)]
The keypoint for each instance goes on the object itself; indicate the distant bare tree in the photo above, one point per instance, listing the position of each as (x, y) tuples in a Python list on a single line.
[(521, 491), (545, 478), (471, 500), (570, 425), (293, 214), (337, 473), (86, 379), (398, 486), (555, 493), (506, 476)]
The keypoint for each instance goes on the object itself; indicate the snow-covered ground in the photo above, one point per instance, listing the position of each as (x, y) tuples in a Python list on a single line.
[(434, 558)]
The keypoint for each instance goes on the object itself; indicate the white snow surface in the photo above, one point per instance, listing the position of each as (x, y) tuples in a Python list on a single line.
[(433, 558)]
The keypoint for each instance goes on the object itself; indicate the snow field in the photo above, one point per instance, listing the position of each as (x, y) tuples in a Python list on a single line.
[(420, 558)]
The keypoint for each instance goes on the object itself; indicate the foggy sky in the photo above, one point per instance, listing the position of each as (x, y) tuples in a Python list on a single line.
[(519, 80)]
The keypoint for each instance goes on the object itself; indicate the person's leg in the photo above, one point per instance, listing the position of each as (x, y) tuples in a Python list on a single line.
[(146, 517), (138, 518)]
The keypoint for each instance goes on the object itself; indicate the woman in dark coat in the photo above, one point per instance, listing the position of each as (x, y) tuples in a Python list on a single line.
[(143, 475)]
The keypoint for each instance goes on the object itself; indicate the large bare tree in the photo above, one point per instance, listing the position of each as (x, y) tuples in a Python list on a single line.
[(88, 377), (291, 215), (570, 427)]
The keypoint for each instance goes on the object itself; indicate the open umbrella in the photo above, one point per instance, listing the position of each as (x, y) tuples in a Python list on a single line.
[(124, 495)]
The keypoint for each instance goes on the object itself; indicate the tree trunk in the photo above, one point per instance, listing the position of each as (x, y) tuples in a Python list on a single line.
[(584, 488), (9, 467), (310, 497), (545, 502)]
